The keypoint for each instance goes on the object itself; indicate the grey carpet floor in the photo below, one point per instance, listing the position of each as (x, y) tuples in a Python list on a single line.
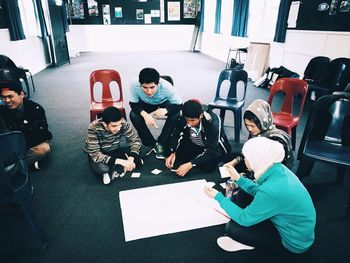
[(82, 217)]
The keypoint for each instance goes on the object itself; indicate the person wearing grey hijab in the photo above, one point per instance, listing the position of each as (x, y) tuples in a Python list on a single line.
[(259, 122)]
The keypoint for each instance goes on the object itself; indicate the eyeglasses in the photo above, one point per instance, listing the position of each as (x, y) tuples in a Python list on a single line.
[(10, 97)]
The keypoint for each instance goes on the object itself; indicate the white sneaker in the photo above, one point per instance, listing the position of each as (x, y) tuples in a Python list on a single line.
[(115, 175), (231, 245), (106, 178), (36, 165)]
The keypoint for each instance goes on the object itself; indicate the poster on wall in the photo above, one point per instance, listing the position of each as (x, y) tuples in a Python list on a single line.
[(173, 11), (344, 6), (199, 5), (162, 11), (139, 14), (76, 9), (155, 13), (92, 8), (333, 8), (118, 12), (189, 8), (293, 14), (106, 15), (148, 19)]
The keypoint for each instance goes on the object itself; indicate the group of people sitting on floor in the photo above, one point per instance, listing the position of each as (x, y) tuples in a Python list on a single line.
[(272, 210)]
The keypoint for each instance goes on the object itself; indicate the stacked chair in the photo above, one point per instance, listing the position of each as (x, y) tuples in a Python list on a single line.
[(326, 137), (326, 77)]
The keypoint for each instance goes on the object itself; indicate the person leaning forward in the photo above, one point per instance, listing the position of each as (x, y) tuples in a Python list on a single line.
[(28, 117), (198, 140), (107, 157), (152, 97)]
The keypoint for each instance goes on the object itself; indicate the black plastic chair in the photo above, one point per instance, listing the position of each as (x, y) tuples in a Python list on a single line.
[(316, 69), (14, 178), (327, 136), (167, 78), (7, 63), (13, 74), (231, 102), (335, 78)]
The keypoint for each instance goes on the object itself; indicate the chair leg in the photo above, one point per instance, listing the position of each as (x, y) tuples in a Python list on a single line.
[(31, 78), (222, 115), (25, 200), (25, 80), (237, 126), (304, 168), (340, 175), (294, 137), (239, 113), (348, 208)]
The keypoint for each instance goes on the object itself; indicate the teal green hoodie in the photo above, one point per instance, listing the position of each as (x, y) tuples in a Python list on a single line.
[(282, 198)]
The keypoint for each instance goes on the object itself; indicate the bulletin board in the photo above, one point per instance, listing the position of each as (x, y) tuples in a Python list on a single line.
[(3, 23), (131, 12), (322, 15)]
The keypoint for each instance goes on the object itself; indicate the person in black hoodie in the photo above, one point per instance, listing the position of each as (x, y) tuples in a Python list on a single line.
[(28, 117), (198, 140)]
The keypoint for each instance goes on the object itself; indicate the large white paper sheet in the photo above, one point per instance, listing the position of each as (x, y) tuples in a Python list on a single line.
[(165, 209)]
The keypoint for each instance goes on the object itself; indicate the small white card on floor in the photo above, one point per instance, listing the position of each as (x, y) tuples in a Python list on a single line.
[(223, 172), (156, 171), (135, 175)]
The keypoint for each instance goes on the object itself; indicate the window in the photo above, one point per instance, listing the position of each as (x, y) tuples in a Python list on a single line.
[(209, 13), (28, 17), (226, 17), (262, 19)]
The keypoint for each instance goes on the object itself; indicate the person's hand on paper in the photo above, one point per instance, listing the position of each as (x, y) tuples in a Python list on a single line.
[(184, 169), (210, 191), (170, 160), (128, 165), (149, 120), (233, 172)]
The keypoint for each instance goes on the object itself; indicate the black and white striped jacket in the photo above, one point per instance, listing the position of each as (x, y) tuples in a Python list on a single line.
[(213, 135)]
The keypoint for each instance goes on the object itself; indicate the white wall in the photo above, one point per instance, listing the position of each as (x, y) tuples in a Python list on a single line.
[(295, 53), (129, 37), (301, 46), (27, 53)]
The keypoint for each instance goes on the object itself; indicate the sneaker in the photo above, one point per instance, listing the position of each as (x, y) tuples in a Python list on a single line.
[(116, 174), (106, 178), (36, 165), (231, 245), (159, 151)]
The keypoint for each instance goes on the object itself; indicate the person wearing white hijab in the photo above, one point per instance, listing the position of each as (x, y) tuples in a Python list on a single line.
[(281, 216)]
